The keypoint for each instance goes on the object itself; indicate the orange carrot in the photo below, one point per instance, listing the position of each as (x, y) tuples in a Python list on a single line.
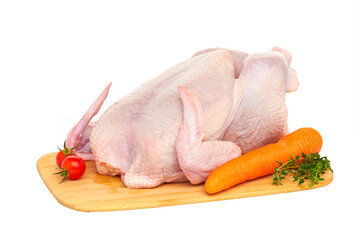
[(262, 161)]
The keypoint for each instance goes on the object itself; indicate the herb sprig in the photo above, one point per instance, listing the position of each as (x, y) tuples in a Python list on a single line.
[(307, 166)]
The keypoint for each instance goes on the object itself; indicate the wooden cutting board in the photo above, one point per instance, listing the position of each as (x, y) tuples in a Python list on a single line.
[(94, 192)]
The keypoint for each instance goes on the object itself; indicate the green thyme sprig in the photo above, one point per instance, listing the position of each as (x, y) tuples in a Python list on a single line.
[(307, 166)]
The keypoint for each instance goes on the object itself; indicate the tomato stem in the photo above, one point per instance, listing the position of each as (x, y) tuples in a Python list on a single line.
[(66, 150), (64, 173)]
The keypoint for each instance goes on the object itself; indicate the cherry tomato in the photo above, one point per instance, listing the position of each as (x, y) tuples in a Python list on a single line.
[(63, 153), (74, 166), (61, 156)]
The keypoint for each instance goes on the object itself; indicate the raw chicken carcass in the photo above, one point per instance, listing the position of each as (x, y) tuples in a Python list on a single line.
[(194, 117)]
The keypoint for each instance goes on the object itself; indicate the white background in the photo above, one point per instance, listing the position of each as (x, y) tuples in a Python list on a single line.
[(57, 56)]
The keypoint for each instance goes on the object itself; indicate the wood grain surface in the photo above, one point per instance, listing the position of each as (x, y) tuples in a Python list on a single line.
[(95, 193)]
